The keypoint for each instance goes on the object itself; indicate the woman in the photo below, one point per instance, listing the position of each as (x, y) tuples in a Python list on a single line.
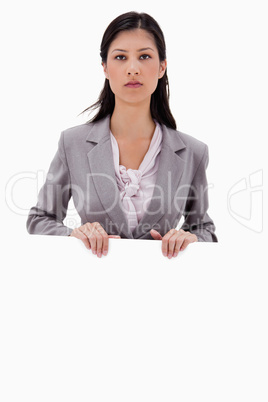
[(130, 173)]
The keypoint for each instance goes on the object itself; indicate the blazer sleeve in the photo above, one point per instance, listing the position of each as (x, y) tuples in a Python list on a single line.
[(46, 218), (197, 220)]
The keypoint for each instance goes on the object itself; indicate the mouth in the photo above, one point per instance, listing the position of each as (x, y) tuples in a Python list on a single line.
[(133, 84)]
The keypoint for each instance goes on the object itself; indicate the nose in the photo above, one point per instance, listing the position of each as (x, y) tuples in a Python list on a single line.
[(133, 68)]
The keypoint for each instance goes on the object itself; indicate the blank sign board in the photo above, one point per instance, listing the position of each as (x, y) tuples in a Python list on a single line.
[(132, 326)]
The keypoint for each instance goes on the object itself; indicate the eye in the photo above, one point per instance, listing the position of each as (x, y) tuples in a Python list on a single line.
[(120, 57), (145, 56)]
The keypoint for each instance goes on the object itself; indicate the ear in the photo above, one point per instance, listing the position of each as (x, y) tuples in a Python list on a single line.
[(163, 67), (105, 70)]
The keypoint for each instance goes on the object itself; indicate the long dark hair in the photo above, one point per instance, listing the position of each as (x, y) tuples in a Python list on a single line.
[(159, 106)]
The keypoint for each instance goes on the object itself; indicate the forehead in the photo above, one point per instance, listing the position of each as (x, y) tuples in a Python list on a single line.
[(133, 40)]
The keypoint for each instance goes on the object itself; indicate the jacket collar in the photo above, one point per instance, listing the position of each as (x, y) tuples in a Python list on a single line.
[(99, 131)]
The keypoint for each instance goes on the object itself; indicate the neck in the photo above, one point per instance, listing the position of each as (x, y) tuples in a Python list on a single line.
[(132, 121)]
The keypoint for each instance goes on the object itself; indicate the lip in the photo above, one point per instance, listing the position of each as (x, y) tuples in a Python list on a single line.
[(133, 84)]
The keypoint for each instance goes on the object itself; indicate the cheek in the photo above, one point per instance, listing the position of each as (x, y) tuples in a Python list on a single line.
[(114, 79), (153, 72), (154, 77), (113, 73)]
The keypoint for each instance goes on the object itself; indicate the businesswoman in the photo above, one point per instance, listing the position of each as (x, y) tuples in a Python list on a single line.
[(130, 172)]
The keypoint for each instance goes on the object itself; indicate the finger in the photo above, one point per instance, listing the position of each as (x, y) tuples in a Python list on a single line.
[(155, 234), (114, 237), (80, 235), (178, 244), (94, 236), (165, 241), (172, 243), (93, 242), (182, 240), (190, 238), (89, 231), (103, 243), (99, 243)]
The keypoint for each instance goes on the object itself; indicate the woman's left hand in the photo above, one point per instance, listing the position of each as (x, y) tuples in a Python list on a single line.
[(174, 241)]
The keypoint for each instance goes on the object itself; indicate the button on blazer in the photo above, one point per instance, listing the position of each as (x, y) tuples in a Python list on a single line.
[(83, 168)]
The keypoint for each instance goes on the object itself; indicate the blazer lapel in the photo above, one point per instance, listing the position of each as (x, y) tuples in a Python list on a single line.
[(101, 163), (170, 169)]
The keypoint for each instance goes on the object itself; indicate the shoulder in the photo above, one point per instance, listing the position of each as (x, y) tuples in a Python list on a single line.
[(74, 140), (76, 133), (184, 143), (192, 143), (96, 131), (191, 150)]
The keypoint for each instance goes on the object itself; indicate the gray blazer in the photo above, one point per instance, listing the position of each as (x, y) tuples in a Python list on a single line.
[(83, 168)]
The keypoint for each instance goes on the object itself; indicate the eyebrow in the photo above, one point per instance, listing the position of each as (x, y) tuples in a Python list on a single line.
[(140, 50)]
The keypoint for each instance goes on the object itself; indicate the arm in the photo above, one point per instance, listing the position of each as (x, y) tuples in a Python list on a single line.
[(46, 218), (197, 221)]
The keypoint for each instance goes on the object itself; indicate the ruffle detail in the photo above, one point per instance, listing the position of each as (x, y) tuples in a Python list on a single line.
[(133, 184), (131, 180)]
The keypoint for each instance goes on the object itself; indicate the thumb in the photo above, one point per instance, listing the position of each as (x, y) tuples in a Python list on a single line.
[(155, 234)]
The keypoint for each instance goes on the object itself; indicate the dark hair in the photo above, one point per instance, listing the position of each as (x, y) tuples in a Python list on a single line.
[(159, 106)]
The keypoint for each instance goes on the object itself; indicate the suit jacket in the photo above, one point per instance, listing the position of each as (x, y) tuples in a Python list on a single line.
[(83, 168)]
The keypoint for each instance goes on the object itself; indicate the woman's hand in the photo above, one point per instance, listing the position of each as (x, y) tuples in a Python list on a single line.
[(94, 237), (174, 241)]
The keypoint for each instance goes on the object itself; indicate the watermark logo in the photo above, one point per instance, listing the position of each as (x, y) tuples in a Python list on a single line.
[(244, 198), (245, 201)]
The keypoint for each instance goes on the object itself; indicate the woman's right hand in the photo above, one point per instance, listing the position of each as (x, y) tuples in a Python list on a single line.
[(94, 237)]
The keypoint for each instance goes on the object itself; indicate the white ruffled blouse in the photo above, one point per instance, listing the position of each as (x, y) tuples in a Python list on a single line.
[(136, 186)]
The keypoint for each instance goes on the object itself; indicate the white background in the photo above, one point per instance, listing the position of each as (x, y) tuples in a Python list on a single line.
[(217, 68)]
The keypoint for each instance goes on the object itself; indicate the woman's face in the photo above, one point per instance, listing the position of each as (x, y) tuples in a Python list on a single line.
[(133, 57)]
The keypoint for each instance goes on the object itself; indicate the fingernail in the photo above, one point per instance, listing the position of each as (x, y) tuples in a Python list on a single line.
[(99, 255), (94, 251), (175, 254), (164, 254), (170, 255), (105, 252)]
